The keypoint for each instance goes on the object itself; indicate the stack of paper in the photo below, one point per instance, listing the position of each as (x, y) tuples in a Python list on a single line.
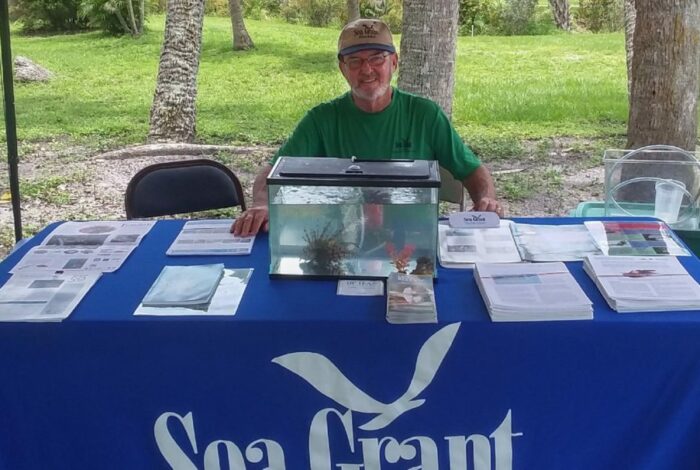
[(209, 237), (410, 299), (185, 286), (643, 284), (531, 292), (553, 242), (634, 238), (462, 247)]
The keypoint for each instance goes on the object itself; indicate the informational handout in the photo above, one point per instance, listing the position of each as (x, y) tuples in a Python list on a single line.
[(462, 247), (553, 242), (43, 297), (209, 237), (98, 233), (639, 283), (75, 247), (73, 259), (634, 238), (410, 298), (531, 291), (224, 302)]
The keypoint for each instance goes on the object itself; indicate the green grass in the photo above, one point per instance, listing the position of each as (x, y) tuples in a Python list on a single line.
[(507, 88)]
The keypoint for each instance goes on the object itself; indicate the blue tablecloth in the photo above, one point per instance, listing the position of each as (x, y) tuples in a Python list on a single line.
[(302, 378)]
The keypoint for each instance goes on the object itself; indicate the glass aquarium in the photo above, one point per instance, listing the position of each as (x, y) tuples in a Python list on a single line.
[(349, 218)]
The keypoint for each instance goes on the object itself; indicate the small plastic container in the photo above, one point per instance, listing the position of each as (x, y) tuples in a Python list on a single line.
[(690, 237), (632, 178)]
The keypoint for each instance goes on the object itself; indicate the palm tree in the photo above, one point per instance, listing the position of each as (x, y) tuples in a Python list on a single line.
[(241, 38), (560, 12), (428, 47), (665, 65), (173, 110)]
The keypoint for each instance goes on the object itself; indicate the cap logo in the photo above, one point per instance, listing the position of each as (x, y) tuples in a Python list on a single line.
[(366, 31)]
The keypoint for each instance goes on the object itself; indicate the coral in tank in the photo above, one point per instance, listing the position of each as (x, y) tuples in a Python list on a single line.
[(324, 252), (424, 265), (400, 259)]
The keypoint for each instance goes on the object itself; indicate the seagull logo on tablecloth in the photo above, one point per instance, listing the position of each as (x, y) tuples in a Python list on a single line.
[(325, 377)]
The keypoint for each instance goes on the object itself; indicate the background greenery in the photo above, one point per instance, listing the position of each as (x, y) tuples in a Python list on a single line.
[(506, 87)]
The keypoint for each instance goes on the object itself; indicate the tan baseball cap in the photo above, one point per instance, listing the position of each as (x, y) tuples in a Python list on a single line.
[(364, 34)]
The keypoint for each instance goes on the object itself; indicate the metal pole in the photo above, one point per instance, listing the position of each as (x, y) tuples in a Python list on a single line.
[(10, 122)]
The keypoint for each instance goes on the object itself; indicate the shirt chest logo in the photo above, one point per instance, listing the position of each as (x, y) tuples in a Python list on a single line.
[(403, 144)]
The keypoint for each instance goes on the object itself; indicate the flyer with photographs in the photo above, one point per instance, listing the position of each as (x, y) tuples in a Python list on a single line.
[(622, 238)]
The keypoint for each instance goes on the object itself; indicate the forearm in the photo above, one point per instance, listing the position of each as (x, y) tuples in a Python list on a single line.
[(480, 185), (260, 187)]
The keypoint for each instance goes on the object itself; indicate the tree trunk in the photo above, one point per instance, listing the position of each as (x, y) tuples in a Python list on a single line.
[(241, 38), (664, 93), (428, 48), (353, 10), (173, 111), (142, 15), (630, 19), (560, 12), (132, 18)]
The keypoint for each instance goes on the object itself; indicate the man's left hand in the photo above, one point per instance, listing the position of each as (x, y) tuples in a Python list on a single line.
[(487, 204)]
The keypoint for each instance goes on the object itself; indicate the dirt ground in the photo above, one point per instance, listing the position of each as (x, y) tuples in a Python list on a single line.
[(65, 181)]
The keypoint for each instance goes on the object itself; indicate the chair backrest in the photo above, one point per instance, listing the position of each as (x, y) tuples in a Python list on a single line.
[(181, 187), (452, 190)]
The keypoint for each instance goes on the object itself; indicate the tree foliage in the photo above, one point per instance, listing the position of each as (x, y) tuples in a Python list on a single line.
[(110, 16), (314, 12), (478, 16), (600, 16), (516, 16), (115, 16), (49, 15)]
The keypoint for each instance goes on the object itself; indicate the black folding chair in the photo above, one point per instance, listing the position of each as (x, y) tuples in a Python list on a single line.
[(452, 190), (182, 187)]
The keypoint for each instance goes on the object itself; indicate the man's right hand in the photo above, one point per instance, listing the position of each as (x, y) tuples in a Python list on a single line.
[(251, 222)]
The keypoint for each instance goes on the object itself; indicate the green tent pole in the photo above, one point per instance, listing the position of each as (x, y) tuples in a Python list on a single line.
[(10, 123)]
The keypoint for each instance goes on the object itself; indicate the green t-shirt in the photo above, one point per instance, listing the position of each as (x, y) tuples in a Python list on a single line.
[(410, 127)]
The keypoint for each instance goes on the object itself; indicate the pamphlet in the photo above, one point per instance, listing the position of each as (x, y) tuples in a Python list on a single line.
[(44, 297), (75, 247), (462, 247), (224, 302), (553, 242), (623, 238), (641, 283), (209, 237), (40, 259), (531, 292), (98, 233), (410, 299)]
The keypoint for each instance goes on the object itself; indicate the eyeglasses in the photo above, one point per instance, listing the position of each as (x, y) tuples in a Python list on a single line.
[(355, 63)]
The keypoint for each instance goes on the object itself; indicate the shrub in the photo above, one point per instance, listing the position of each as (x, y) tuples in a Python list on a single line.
[(260, 9), (111, 16), (389, 11), (216, 7), (49, 15), (478, 16), (516, 16), (600, 15), (313, 12)]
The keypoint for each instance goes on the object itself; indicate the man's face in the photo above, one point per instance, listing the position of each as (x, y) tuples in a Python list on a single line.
[(368, 76)]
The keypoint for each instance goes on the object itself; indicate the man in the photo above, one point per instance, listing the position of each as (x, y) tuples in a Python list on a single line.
[(375, 121)]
